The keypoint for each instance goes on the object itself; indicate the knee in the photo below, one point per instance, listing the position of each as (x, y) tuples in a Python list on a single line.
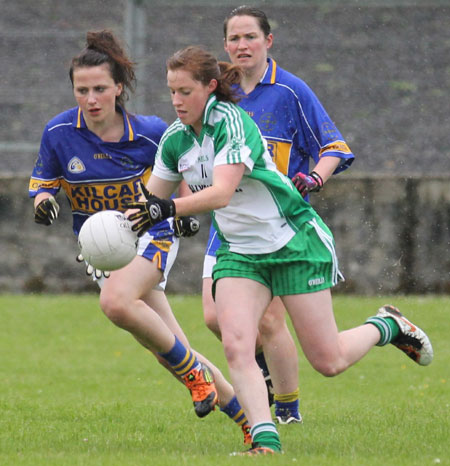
[(114, 308), (269, 324), (328, 367), (237, 351)]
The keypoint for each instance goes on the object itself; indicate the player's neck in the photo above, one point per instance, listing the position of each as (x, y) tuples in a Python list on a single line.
[(109, 130), (251, 78)]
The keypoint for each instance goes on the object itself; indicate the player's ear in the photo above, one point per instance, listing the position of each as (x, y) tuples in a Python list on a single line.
[(119, 89), (269, 41), (212, 86)]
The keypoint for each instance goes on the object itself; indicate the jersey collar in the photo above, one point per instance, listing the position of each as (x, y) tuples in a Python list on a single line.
[(129, 127), (210, 104), (270, 76)]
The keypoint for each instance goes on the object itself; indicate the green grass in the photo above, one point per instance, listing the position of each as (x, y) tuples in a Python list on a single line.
[(75, 390)]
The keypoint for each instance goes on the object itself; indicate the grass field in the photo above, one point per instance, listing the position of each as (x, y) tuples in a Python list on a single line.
[(75, 390)]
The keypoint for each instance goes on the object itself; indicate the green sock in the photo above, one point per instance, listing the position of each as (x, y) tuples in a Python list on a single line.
[(265, 434), (388, 328)]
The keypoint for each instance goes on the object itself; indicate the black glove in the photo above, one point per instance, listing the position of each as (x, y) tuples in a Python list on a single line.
[(151, 212), (307, 183), (46, 211), (90, 270), (186, 226)]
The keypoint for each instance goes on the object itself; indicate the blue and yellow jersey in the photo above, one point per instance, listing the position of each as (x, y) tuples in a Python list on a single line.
[(294, 123), (95, 175)]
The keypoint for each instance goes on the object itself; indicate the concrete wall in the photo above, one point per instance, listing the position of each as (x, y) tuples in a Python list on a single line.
[(380, 68), (392, 235)]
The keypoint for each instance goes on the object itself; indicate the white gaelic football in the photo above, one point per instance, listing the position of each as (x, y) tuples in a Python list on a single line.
[(106, 240)]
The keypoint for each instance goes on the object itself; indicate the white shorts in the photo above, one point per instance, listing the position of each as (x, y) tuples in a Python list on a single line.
[(208, 263), (162, 251)]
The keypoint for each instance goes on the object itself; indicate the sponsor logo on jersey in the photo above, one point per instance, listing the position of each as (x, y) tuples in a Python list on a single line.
[(92, 198), (102, 157), (75, 165), (336, 146), (202, 158), (198, 187), (316, 281), (280, 152), (128, 163)]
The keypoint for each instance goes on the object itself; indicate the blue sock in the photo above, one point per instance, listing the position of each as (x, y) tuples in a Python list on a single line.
[(234, 410), (180, 358)]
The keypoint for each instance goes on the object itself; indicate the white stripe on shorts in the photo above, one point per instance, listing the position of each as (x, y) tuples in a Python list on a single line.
[(327, 240)]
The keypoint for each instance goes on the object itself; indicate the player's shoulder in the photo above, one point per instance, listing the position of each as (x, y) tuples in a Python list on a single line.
[(175, 131), (290, 82), (62, 120), (150, 126)]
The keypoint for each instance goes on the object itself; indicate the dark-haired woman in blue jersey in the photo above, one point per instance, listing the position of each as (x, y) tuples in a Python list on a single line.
[(99, 154)]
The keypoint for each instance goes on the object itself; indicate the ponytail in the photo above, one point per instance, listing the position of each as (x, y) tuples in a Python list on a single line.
[(103, 47)]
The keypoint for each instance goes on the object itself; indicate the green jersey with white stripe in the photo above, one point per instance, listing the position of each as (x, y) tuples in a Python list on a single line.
[(266, 209)]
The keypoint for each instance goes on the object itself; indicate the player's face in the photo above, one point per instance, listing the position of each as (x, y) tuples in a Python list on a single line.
[(96, 92), (246, 43), (189, 96)]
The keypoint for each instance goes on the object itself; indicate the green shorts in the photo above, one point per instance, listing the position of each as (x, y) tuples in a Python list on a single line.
[(305, 264)]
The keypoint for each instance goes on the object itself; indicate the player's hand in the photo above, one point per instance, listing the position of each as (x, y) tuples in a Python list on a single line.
[(186, 226), (46, 211), (150, 212), (92, 271), (307, 183)]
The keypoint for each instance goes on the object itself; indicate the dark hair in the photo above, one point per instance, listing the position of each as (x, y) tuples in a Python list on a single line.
[(103, 47), (204, 67), (245, 10)]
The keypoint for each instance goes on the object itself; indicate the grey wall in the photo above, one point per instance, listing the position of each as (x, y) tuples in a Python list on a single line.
[(381, 69), (392, 235), (382, 72)]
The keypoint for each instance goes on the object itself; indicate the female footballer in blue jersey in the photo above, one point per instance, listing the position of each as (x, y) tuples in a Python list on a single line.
[(273, 243), (297, 130), (99, 154)]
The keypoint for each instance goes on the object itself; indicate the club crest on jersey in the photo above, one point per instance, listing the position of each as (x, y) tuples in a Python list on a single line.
[(75, 165)]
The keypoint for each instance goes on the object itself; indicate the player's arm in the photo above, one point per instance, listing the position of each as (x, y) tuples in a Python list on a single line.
[(314, 181), (226, 179)]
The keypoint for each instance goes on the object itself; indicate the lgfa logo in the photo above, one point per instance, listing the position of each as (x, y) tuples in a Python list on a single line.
[(75, 165)]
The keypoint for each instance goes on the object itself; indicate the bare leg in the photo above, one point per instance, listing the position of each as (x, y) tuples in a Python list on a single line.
[(240, 304), (279, 348), (330, 352), (150, 318)]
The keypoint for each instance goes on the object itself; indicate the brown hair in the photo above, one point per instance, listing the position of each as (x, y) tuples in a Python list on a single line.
[(103, 47), (245, 10), (204, 67)]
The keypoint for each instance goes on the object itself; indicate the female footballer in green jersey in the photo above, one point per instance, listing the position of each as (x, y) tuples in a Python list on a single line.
[(273, 242), (298, 131)]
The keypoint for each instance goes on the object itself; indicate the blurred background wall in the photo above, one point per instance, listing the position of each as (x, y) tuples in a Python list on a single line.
[(381, 69)]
